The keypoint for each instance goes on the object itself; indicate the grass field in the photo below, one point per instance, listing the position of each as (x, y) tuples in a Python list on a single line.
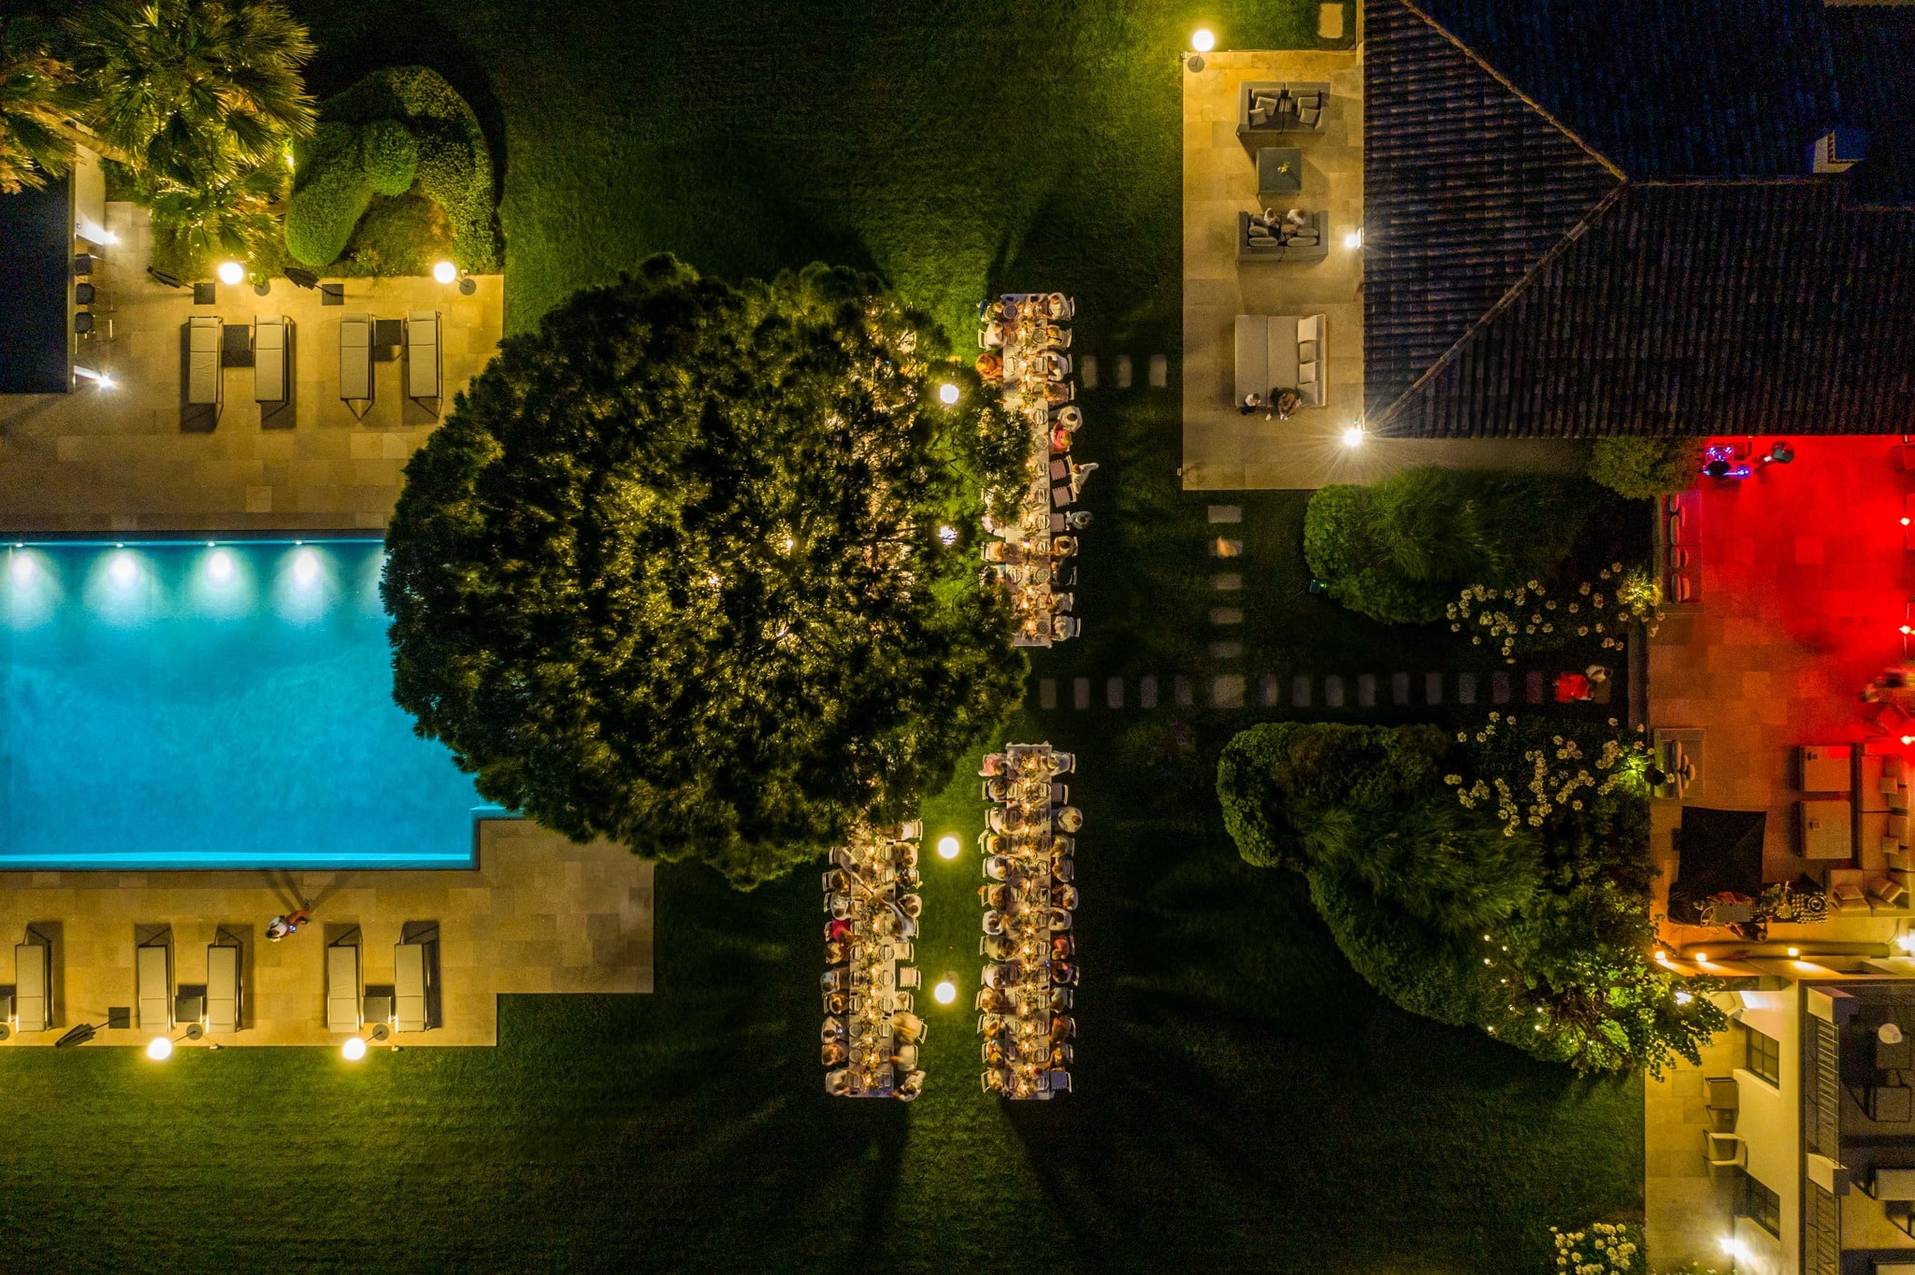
[(1244, 1102)]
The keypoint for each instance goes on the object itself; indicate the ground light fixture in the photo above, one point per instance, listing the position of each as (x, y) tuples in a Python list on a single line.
[(231, 272), (445, 272), (1353, 239), (947, 535), (354, 1049), (945, 992), (160, 1048), (1352, 437), (948, 394), (947, 846), (1203, 39)]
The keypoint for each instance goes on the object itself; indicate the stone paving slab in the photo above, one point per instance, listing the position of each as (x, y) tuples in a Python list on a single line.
[(1047, 692), (1181, 688), (1399, 688), (1226, 691), (1080, 692), (1466, 688), (1147, 691), (1113, 692), (538, 914), (1159, 372), (1225, 513), (1333, 691), (1300, 689), (1499, 690), (132, 458), (1087, 371), (1123, 371), (1226, 616), (1533, 686), (1366, 690), (1432, 688), (1226, 650), (1267, 688)]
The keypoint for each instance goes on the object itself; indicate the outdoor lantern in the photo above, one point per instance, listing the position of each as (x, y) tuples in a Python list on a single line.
[(1203, 39), (1353, 436), (354, 1049), (159, 1049), (445, 272), (231, 272), (945, 992), (948, 394), (947, 847)]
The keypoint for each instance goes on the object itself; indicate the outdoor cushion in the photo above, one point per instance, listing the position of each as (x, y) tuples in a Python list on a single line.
[(409, 988), (154, 988), (355, 356), (1306, 373), (203, 379), (342, 988), (222, 988), (1306, 350), (269, 360), (32, 977), (422, 354)]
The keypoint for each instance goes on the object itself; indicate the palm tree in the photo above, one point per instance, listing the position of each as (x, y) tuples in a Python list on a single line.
[(194, 93), (231, 217), (36, 98)]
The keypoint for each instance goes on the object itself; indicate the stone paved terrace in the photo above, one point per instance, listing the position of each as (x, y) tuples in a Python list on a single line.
[(132, 458), (538, 914), (1223, 449)]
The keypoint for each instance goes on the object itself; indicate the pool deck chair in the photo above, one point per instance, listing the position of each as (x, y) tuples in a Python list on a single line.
[(422, 354), (225, 997), (272, 351), (153, 968), (205, 383), (355, 358), (342, 988), (413, 977), (33, 986)]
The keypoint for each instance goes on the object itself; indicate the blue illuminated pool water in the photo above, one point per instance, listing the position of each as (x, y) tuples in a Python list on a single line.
[(175, 705)]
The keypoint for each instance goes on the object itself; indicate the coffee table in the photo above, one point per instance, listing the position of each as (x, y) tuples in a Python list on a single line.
[(1279, 171)]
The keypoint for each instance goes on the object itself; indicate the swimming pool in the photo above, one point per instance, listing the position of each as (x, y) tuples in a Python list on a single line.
[(213, 704)]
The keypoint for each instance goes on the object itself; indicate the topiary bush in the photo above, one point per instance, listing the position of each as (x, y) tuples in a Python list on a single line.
[(389, 155), (1400, 550), (1644, 468), (399, 236), (454, 161), (325, 209)]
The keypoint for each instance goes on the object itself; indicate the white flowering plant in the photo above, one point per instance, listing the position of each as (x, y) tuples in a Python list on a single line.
[(1601, 1248), (1531, 617)]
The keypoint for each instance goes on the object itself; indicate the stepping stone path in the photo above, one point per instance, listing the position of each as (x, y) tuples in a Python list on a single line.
[(1333, 691), (1226, 691), (1466, 688), (1225, 513), (1533, 687), (1114, 692), (1432, 688), (1499, 687), (1366, 690), (1159, 372), (1399, 688), (1147, 691), (1047, 693), (1087, 371), (1226, 650), (1123, 372), (1330, 21), (1080, 692), (1226, 581), (1225, 615)]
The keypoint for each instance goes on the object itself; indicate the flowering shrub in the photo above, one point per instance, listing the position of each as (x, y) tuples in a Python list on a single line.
[(1602, 1248), (1528, 618), (1529, 777)]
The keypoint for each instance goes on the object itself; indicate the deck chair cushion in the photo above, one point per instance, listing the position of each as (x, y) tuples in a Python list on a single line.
[(342, 988), (269, 360), (222, 988), (355, 356), (32, 993), (203, 379), (155, 988), (422, 354), (409, 987)]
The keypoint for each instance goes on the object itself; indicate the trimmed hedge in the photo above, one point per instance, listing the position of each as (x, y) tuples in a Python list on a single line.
[(1644, 468), (389, 156), (1400, 550), (454, 161), (324, 211)]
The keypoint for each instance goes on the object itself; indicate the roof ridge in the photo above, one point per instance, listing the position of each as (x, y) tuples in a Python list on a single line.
[(1596, 212), (1510, 85)]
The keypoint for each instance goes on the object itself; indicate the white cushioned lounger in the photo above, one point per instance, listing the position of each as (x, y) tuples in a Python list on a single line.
[(223, 997), (205, 384), (409, 973), (355, 357), (33, 986), (155, 987), (342, 988), (422, 354), (271, 338)]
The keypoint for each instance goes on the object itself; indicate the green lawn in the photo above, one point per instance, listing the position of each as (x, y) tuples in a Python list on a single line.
[(1244, 1102)]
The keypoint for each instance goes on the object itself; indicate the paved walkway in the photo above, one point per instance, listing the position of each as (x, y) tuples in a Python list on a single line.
[(539, 914), (1227, 451), (135, 458)]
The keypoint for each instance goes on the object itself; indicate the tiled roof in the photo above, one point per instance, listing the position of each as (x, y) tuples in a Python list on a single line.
[(1705, 308), (1466, 186), (1727, 88), (1693, 280)]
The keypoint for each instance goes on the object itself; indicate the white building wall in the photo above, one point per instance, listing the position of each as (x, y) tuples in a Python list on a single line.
[(1769, 1118)]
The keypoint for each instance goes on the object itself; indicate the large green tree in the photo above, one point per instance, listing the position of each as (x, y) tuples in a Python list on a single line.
[(671, 572)]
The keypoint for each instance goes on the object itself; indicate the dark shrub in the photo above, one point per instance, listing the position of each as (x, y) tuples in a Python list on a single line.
[(1400, 550), (1644, 468), (399, 236), (324, 211)]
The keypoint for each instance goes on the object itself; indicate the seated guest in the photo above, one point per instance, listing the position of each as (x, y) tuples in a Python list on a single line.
[(993, 1054), (1063, 868), (834, 953), (1064, 974), (1000, 947), (1070, 818), (838, 1082), (992, 1001), (837, 928), (989, 366), (912, 904), (833, 1054), (991, 1025), (910, 1087), (993, 762), (1066, 897), (908, 879), (1062, 1056), (908, 1028), (836, 1003), (1063, 1027), (1062, 948), (997, 1080)]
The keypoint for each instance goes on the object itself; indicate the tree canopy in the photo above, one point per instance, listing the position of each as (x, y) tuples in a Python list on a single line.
[(671, 572), (36, 97)]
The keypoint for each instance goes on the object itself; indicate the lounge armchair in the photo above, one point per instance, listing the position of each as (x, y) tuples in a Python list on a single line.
[(422, 354), (414, 985), (32, 985), (225, 996), (272, 353), (342, 988), (153, 969), (205, 383), (355, 358)]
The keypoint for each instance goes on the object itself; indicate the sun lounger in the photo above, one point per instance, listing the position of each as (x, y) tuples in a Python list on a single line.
[(32, 987), (205, 384), (342, 988), (422, 354), (272, 338), (224, 995), (355, 357), (413, 976), (154, 976)]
